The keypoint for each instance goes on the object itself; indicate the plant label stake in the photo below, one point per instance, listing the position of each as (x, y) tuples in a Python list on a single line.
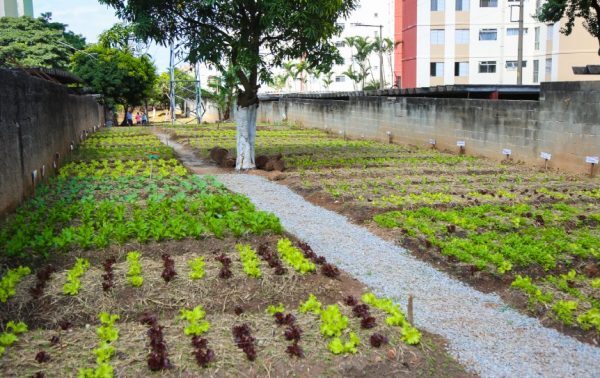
[(593, 161), (390, 137), (432, 142), (43, 170), (461, 144), (34, 175), (410, 310), (506, 152), (547, 157), (153, 156)]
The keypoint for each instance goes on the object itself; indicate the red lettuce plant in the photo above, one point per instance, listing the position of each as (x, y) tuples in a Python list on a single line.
[(169, 268), (43, 275), (108, 275), (244, 340)]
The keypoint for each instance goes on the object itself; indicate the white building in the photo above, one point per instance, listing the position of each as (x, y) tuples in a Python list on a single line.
[(373, 12), (16, 8)]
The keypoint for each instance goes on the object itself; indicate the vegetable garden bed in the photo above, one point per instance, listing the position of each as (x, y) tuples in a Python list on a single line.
[(126, 264), (529, 234)]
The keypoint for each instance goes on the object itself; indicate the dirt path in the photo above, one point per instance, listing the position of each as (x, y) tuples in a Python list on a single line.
[(484, 334)]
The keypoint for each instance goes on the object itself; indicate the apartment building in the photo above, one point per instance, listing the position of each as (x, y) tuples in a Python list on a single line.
[(374, 13), (16, 8), (444, 42)]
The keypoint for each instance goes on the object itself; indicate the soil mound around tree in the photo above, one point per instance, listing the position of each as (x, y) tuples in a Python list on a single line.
[(222, 157), (270, 163)]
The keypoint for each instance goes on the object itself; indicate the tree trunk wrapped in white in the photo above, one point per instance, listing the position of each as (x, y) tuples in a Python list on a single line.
[(245, 118)]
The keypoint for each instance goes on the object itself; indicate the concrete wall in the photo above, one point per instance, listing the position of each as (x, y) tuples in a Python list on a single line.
[(38, 119), (565, 122)]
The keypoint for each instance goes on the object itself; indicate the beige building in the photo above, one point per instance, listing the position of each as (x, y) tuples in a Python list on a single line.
[(445, 42)]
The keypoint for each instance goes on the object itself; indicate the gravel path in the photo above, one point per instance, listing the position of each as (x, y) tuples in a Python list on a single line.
[(484, 334)]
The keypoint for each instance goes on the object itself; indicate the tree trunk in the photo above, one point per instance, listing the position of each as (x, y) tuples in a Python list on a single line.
[(124, 123), (245, 118)]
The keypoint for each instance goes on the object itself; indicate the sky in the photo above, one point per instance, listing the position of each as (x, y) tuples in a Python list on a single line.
[(89, 18)]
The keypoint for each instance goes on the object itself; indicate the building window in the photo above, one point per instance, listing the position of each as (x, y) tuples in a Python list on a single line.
[(436, 69), (514, 32), (461, 69), (437, 36), (462, 5), (340, 79), (536, 71), (550, 32), (437, 5), (549, 66), (488, 34), (340, 44), (537, 6), (537, 37), (512, 64), (462, 36), (488, 3), (487, 66)]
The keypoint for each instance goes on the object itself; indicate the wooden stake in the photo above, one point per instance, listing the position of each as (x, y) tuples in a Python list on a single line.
[(592, 170), (410, 310), (546, 164)]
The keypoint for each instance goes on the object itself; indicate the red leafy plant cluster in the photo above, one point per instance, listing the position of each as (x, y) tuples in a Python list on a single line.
[(169, 268), (272, 259), (43, 275), (377, 340), (158, 359), (225, 272), (361, 311), (203, 354), (109, 274), (292, 333), (65, 324), (54, 340), (327, 269), (244, 340), (42, 357)]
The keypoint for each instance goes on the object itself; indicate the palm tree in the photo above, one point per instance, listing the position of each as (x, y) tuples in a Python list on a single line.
[(327, 79), (386, 46), (290, 71)]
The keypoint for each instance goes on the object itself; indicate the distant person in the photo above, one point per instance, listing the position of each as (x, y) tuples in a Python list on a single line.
[(144, 118), (129, 118), (138, 119)]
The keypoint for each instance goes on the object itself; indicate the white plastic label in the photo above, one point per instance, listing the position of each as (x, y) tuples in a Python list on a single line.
[(34, 174), (506, 151), (546, 156), (71, 147), (461, 143), (431, 141), (592, 159)]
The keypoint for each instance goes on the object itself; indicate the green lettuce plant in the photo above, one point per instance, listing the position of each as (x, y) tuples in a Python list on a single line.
[(73, 284), (294, 257), (196, 323), (10, 280)]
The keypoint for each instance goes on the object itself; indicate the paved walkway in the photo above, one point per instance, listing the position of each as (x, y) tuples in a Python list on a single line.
[(484, 334)]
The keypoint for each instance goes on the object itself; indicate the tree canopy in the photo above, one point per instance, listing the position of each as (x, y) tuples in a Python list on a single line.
[(251, 36), (37, 42), (116, 74), (588, 10)]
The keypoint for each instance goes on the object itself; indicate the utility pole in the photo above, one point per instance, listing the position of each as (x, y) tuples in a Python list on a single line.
[(172, 84), (381, 83), (520, 47)]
